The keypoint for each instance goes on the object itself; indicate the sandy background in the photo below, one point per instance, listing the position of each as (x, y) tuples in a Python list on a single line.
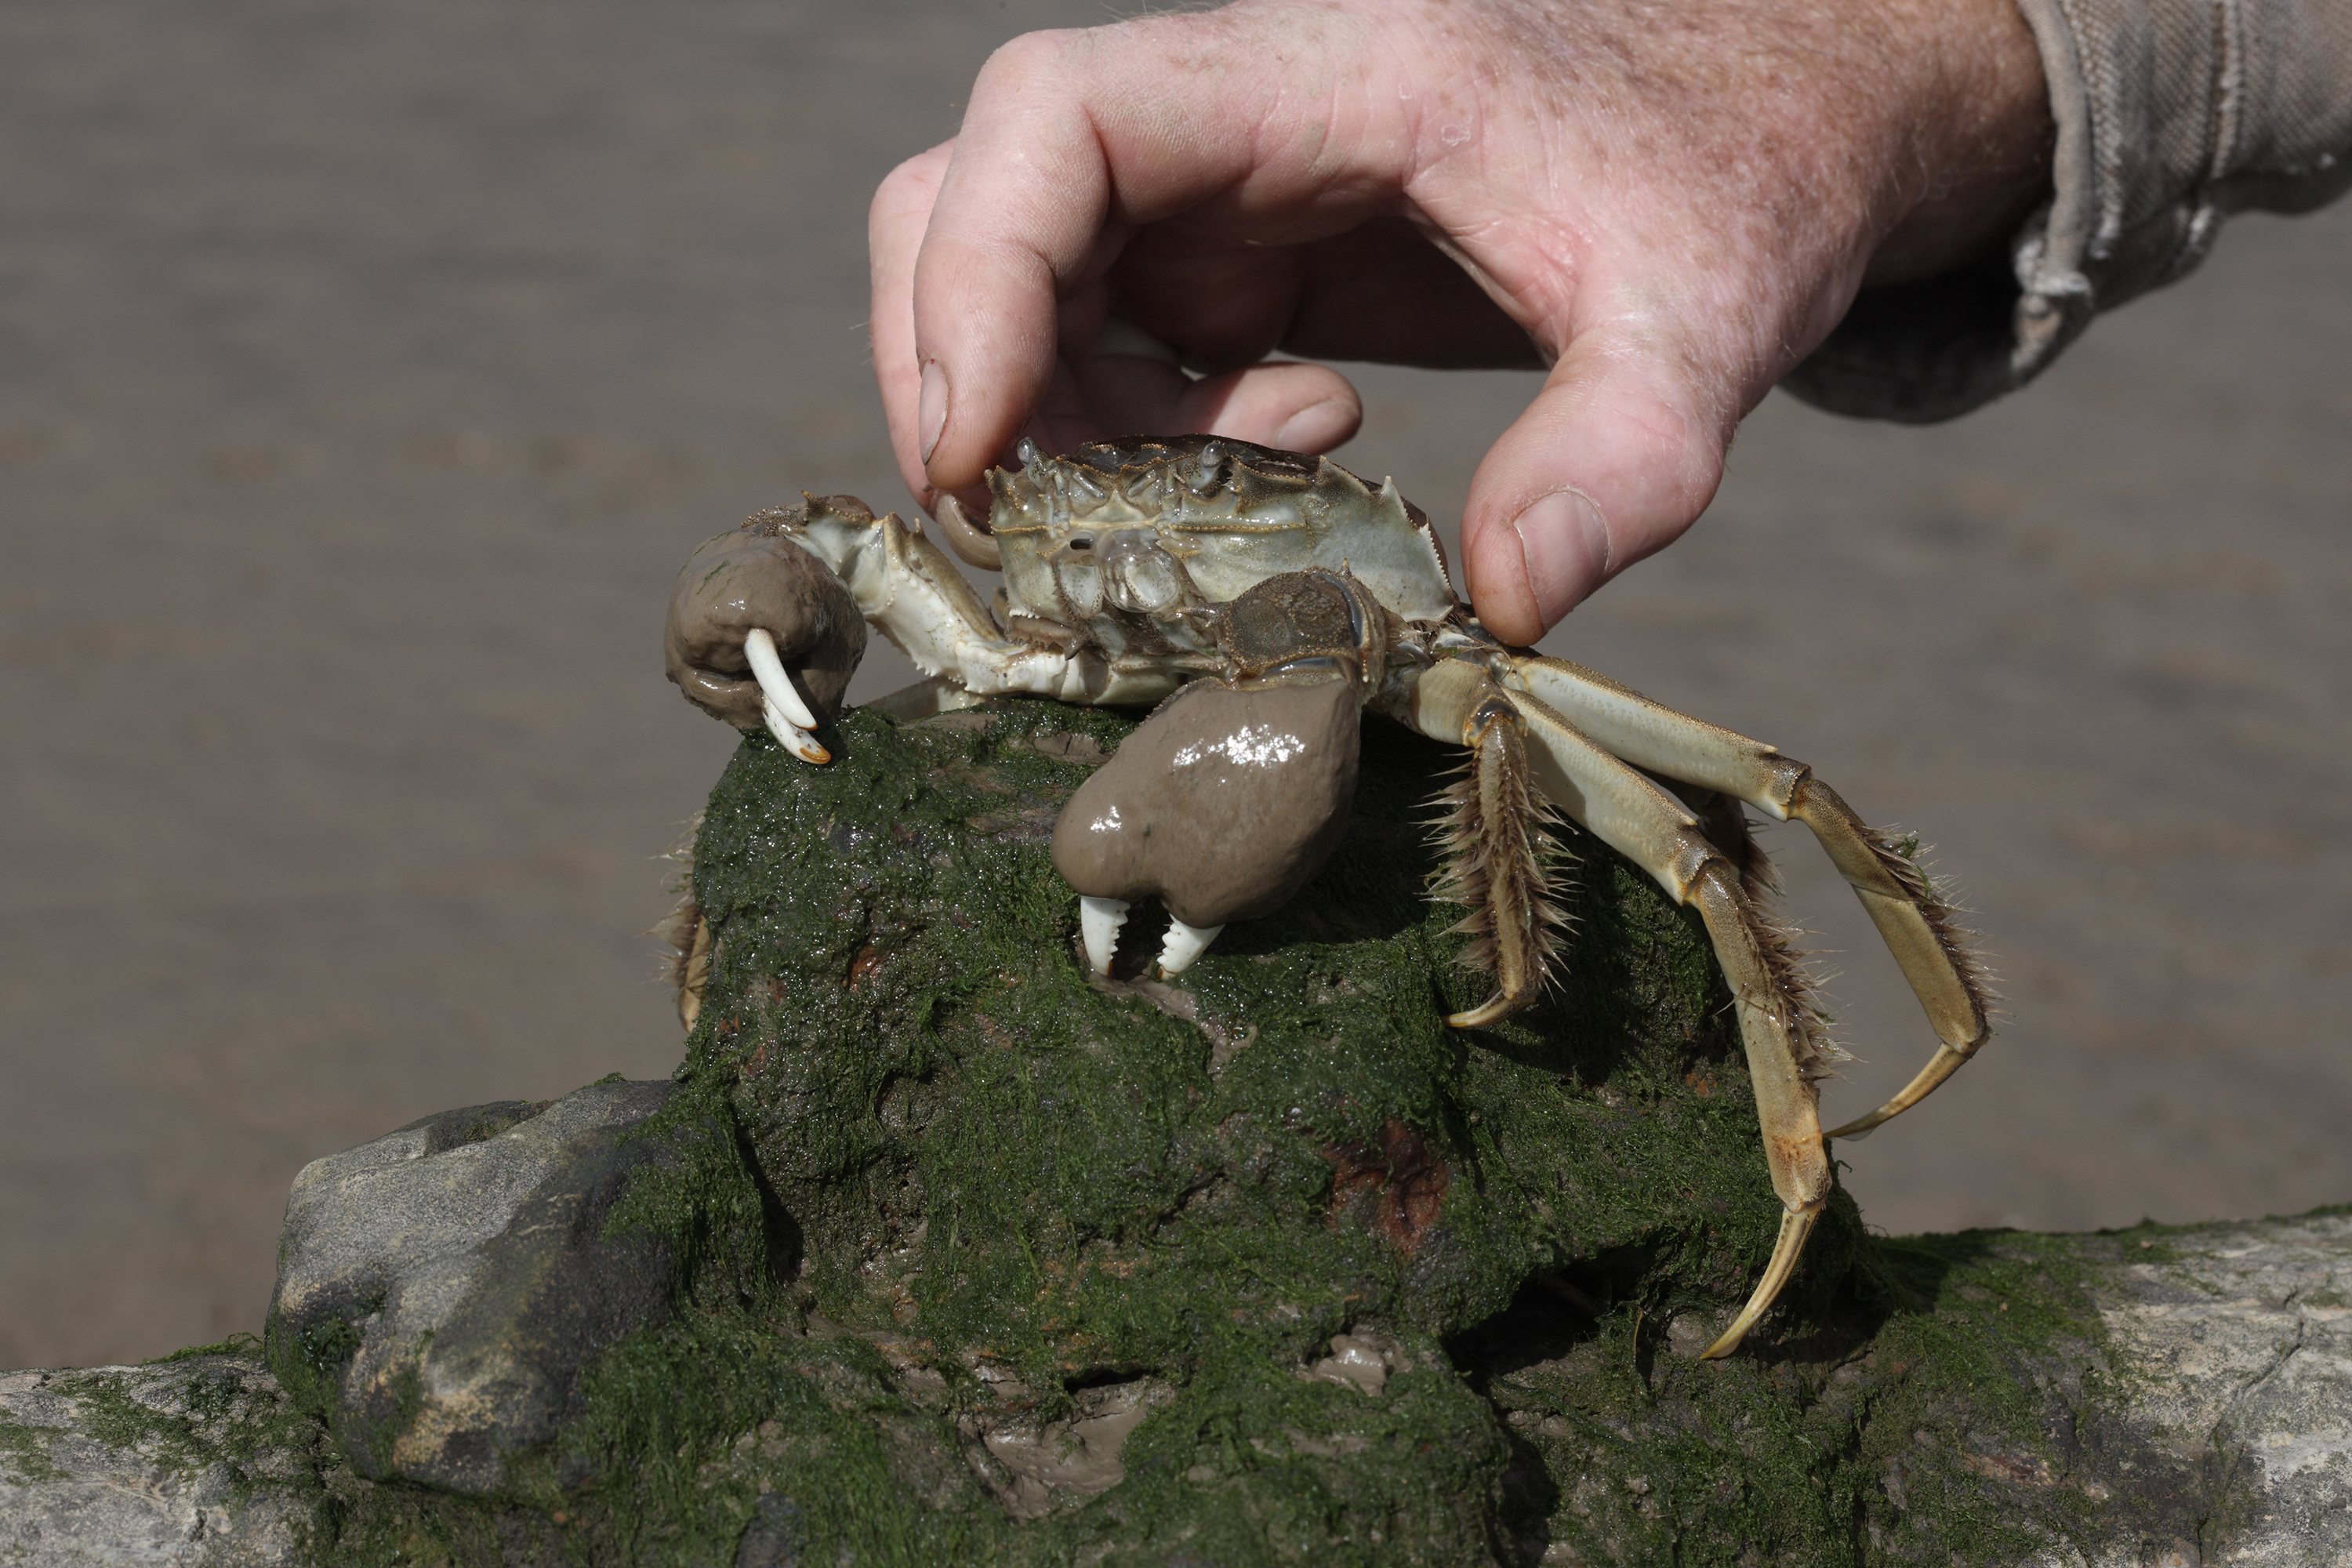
[(365, 374)]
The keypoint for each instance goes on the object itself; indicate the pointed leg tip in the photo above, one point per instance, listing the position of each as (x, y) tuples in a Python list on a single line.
[(1941, 1066), (1493, 1010), (1796, 1225)]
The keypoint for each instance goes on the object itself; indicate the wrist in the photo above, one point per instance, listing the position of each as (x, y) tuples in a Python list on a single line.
[(1983, 153)]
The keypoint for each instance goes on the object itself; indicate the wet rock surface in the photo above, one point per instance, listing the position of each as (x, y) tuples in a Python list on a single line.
[(2217, 1435), (2236, 1341), (440, 1288), (201, 1461), (938, 1250)]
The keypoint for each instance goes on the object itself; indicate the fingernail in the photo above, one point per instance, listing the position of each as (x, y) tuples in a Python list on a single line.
[(1566, 546), (931, 407), (1317, 427)]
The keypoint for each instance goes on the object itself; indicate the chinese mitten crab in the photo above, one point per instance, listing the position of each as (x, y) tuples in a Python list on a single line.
[(1264, 600)]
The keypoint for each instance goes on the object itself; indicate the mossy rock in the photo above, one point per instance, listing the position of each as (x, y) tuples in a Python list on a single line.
[(1269, 1266), (1029, 1191), (989, 1153)]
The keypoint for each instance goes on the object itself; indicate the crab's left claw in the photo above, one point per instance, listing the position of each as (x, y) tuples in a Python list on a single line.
[(1099, 921), (762, 633)]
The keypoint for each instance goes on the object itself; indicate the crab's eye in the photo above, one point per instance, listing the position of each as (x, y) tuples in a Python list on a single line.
[(1082, 542), (1207, 464), (1028, 452)]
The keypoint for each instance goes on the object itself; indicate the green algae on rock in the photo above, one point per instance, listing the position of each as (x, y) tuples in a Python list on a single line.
[(1030, 1186), (1976, 1419), (976, 1258)]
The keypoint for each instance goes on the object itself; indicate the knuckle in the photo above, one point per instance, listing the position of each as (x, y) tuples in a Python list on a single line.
[(1028, 64), (913, 184)]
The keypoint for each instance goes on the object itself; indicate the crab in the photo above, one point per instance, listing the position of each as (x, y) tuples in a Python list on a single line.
[(1264, 600)]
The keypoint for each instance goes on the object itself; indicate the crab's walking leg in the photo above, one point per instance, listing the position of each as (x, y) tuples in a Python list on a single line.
[(1491, 842), (789, 719), (1657, 833), (1916, 924)]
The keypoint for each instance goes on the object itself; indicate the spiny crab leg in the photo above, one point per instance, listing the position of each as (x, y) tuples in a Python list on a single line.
[(789, 719), (1183, 945), (1451, 702), (1098, 923), (1918, 926), (1493, 834)]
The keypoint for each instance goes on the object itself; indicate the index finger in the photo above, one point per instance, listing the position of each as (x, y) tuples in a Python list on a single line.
[(1074, 137), (893, 232)]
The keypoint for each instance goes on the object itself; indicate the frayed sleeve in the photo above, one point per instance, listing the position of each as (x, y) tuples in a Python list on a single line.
[(2171, 115)]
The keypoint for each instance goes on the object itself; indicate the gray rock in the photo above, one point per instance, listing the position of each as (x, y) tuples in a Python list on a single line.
[(201, 1462), (2237, 1341), (440, 1289)]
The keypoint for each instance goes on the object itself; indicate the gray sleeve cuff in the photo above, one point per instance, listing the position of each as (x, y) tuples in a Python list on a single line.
[(2171, 114)]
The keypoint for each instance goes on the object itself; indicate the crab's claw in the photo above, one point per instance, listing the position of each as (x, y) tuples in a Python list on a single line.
[(1098, 923), (760, 632), (1183, 944), (788, 718), (1222, 804)]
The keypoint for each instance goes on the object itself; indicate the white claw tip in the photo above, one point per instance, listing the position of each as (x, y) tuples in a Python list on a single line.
[(1185, 944), (788, 716), (1098, 923), (795, 738)]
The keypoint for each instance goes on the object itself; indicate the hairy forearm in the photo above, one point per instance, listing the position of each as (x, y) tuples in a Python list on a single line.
[(2166, 116), (1994, 143)]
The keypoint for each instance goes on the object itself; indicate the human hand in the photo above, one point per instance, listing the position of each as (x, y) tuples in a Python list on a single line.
[(1667, 205)]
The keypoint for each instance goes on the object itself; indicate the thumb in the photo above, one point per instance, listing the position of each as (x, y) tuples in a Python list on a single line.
[(1617, 455)]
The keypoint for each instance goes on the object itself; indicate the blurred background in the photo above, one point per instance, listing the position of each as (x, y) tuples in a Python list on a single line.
[(367, 372)]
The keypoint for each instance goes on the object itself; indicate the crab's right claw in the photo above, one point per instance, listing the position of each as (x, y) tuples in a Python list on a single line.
[(761, 631)]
